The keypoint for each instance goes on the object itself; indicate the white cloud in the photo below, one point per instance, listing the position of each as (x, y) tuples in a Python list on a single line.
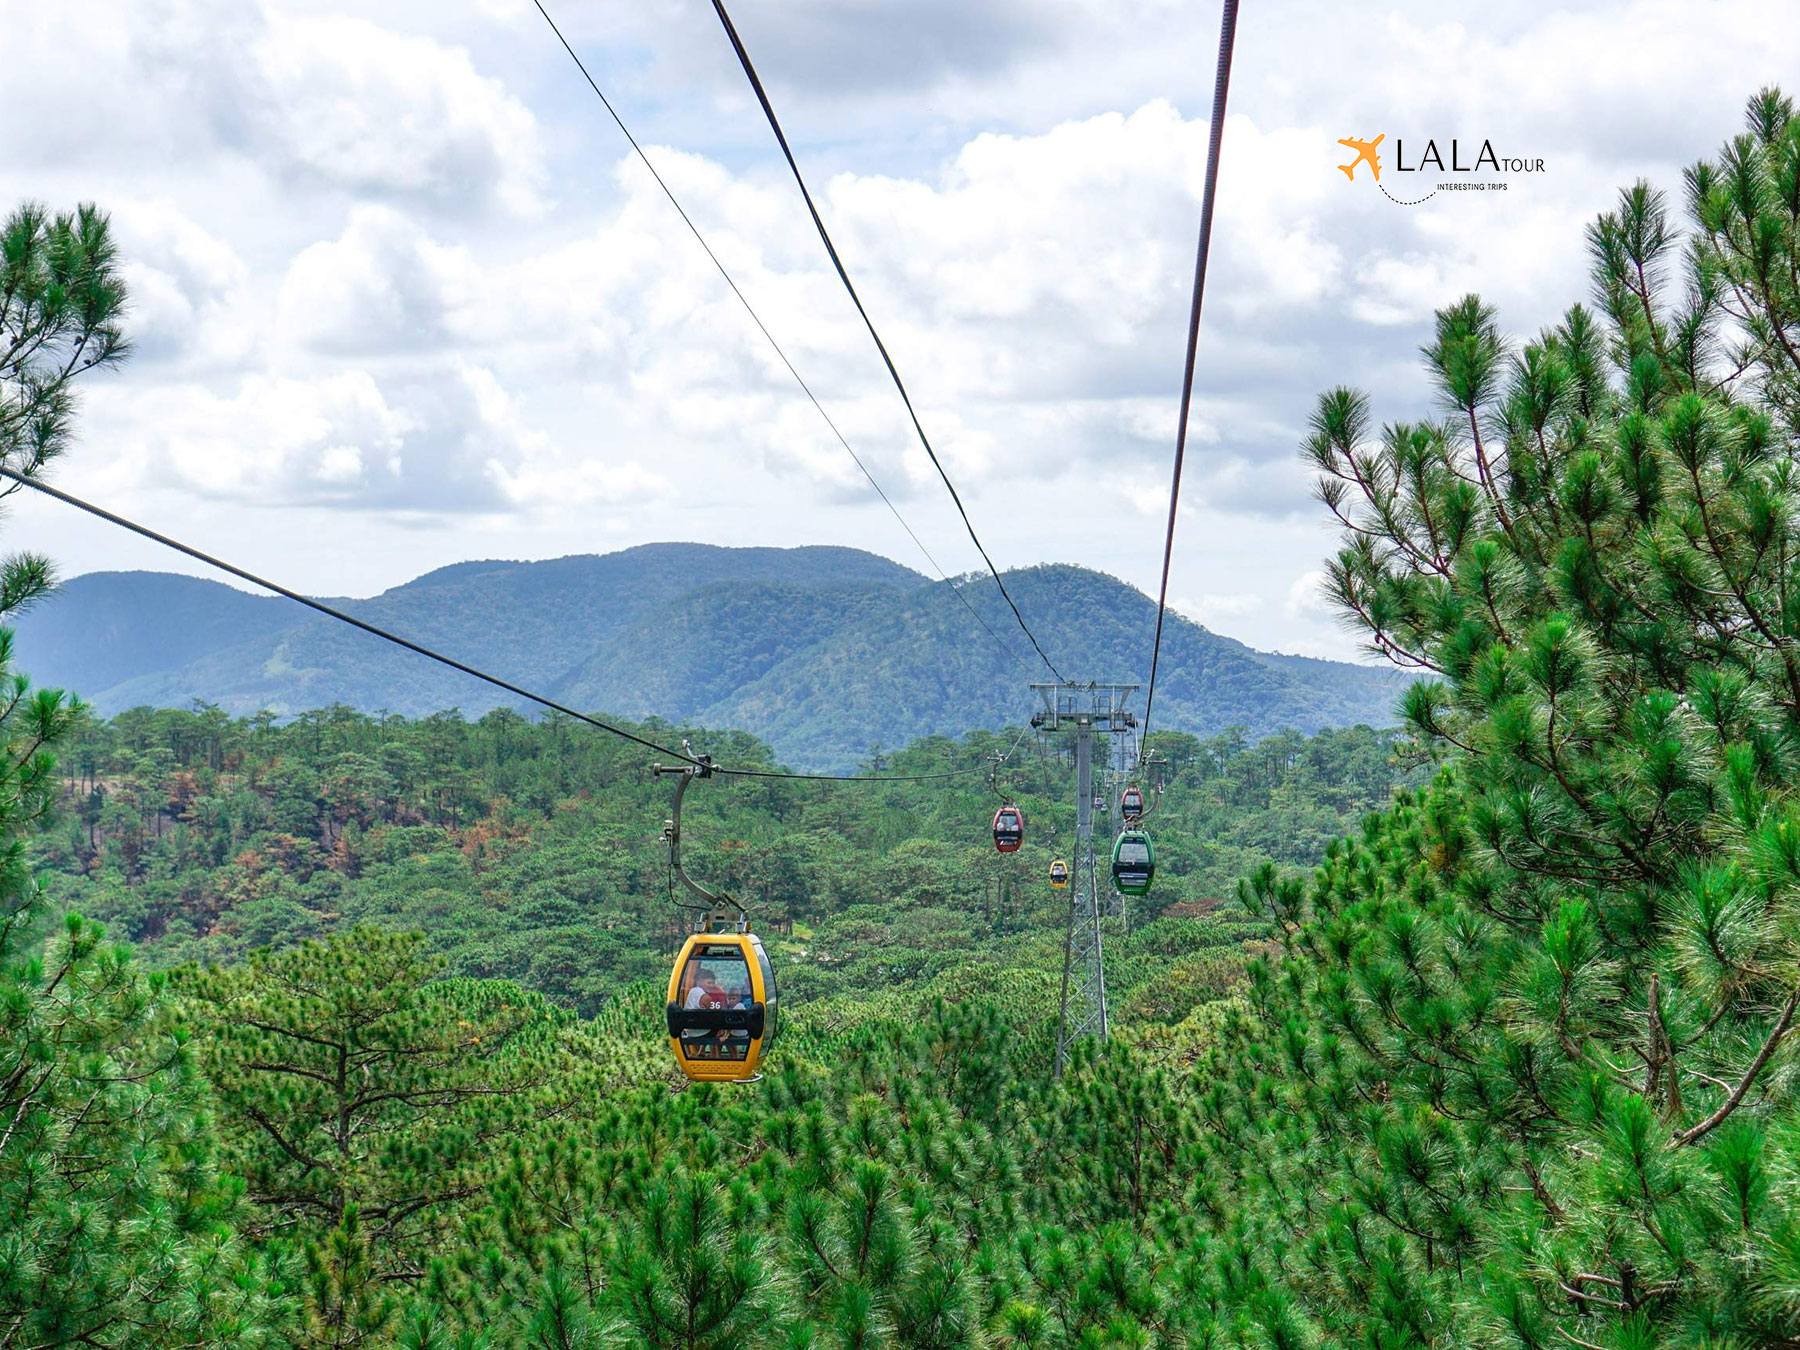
[(508, 12), (190, 290), (383, 285), (533, 472), (325, 100), (446, 440), (583, 484), (370, 109), (1209, 608), (796, 442), (1306, 597), (1025, 294), (297, 439)]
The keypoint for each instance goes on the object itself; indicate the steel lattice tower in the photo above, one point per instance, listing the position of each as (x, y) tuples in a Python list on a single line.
[(1084, 709)]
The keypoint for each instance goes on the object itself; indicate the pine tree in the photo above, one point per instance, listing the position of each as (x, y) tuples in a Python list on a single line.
[(692, 1270), (116, 1227), (366, 1101), (62, 302), (1520, 1072)]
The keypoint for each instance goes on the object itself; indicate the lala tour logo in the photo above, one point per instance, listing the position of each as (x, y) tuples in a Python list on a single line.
[(1487, 172)]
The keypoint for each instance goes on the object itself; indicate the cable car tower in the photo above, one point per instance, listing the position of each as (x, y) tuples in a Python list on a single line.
[(1084, 709)]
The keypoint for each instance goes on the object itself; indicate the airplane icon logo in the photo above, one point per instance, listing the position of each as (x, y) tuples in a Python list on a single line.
[(1365, 153)]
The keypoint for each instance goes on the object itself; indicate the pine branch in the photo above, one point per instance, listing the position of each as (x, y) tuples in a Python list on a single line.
[(1732, 1102)]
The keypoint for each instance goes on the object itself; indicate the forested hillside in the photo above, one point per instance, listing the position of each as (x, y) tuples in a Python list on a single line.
[(1513, 1066), (533, 851), (822, 652)]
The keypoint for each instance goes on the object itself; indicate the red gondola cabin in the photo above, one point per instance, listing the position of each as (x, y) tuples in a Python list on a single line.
[(1009, 828), (1131, 804)]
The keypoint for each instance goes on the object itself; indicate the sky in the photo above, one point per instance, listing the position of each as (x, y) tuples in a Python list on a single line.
[(402, 296)]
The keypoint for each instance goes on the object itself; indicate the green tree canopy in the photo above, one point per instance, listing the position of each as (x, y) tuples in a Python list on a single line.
[(1525, 1074)]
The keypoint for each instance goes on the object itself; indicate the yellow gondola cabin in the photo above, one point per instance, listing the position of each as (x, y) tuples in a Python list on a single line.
[(722, 1007)]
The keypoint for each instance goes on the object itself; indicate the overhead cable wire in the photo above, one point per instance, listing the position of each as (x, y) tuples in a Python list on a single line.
[(375, 630), (768, 108), (764, 330), (1006, 754), (846, 777), (1221, 84)]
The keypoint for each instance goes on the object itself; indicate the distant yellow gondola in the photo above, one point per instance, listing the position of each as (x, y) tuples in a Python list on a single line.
[(722, 1007), (1059, 874)]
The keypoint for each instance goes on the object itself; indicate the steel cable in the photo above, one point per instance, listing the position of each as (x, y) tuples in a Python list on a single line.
[(880, 346), (1221, 84)]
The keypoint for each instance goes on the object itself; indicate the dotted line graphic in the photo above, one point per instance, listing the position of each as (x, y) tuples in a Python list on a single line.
[(1414, 202)]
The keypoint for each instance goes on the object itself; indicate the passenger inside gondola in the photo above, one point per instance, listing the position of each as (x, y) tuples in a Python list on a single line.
[(714, 979), (738, 997)]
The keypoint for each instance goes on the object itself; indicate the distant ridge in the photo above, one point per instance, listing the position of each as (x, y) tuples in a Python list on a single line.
[(823, 651)]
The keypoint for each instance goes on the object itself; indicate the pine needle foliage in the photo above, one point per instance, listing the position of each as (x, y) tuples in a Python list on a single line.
[(117, 1227), (367, 1102), (1523, 1071)]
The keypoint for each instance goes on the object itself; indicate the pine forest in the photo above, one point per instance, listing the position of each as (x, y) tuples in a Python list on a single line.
[(1477, 1029)]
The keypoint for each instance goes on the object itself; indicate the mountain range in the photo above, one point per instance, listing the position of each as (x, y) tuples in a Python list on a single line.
[(821, 651)]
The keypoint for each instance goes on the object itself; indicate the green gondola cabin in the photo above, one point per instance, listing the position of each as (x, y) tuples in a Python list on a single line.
[(1134, 863)]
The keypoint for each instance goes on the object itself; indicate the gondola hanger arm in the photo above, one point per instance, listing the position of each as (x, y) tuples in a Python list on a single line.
[(702, 767), (994, 780)]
